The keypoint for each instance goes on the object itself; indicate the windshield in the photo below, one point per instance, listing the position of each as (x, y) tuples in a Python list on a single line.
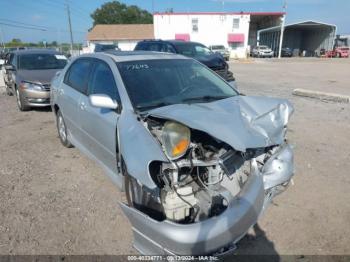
[(262, 47), (192, 50), (41, 61), (156, 83)]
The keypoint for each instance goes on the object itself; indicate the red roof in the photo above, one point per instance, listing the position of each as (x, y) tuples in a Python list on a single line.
[(221, 13)]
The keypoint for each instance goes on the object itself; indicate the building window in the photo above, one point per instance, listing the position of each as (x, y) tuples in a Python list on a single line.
[(235, 23), (235, 46), (195, 25)]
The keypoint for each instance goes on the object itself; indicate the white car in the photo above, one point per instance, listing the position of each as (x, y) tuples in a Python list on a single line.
[(262, 51)]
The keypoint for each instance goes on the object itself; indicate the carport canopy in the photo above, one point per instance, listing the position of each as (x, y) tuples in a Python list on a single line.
[(307, 36)]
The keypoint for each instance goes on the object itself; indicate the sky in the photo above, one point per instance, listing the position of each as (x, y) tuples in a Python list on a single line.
[(51, 15)]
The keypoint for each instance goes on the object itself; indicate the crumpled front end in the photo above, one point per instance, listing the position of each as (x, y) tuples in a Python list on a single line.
[(210, 191)]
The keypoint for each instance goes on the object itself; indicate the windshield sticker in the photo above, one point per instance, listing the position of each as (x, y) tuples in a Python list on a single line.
[(60, 57), (137, 67)]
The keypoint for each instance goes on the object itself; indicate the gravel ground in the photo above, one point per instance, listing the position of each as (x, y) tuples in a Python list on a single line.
[(54, 200)]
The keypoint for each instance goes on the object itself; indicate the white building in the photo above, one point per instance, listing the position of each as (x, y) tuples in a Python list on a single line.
[(125, 36), (236, 31)]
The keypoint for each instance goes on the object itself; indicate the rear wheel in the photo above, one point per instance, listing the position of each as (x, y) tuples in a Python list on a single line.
[(20, 101), (62, 130)]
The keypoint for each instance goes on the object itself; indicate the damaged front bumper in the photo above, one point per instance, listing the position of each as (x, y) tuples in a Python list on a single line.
[(216, 235)]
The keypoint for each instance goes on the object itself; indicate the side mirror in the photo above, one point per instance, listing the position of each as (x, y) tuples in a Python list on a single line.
[(9, 67), (103, 101)]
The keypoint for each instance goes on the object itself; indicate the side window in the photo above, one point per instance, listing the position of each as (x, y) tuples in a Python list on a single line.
[(154, 47), (167, 48), (140, 46), (77, 75), (102, 81)]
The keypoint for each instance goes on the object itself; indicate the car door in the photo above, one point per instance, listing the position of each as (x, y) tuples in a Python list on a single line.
[(99, 125), (68, 96)]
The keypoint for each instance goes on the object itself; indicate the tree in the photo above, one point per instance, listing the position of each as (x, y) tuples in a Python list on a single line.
[(118, 13), (16, 41)]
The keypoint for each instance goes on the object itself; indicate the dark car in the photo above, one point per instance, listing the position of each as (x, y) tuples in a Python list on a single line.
[(28, 74), (105, 47), (198, 51), (286, 52)]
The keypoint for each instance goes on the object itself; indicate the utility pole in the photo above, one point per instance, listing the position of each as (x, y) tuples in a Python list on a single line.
[(282, 29), (70, 28), (2, 37)]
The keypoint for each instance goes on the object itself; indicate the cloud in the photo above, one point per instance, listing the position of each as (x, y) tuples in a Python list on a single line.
[(37, 17)]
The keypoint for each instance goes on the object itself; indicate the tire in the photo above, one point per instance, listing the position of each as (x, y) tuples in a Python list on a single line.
[(8, 90), (20, 102), (62, 130)]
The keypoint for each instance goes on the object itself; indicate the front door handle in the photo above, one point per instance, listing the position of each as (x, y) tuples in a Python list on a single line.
[(82, 106)]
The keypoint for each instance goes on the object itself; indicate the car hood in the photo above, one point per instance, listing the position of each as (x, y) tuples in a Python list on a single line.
[(241, 121), (214, 60), (37, 76)]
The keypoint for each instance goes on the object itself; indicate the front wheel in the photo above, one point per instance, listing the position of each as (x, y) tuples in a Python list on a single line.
[(20, 102), (62, 130)]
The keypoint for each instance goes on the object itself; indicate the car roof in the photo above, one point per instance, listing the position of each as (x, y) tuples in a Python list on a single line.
[(35, 51), (124, 56)]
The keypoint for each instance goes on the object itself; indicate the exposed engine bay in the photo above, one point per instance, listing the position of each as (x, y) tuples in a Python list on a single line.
[(204, 175)]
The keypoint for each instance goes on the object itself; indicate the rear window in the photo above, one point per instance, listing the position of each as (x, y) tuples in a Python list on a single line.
[(41, 61)]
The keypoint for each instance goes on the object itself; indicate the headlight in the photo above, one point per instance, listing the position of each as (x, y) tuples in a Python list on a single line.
[(31, 86), (175, 139)]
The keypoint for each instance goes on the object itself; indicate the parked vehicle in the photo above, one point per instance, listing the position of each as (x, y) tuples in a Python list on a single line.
[(340, 49), (199, 162), (262, 51), (28, 74), (191, 49), (286, 52), (105, 47), (221, 50)]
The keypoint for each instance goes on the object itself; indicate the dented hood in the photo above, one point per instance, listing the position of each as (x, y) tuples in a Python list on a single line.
[(241, 121)]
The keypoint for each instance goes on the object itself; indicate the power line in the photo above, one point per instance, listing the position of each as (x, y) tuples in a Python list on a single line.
[(18, 23), (26, 24), (24, 27)]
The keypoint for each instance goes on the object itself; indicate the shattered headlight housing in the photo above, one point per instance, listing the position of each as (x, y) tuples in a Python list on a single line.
[(175, 139)]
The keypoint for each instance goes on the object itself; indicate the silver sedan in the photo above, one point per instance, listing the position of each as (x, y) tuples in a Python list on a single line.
[(198, 161)]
